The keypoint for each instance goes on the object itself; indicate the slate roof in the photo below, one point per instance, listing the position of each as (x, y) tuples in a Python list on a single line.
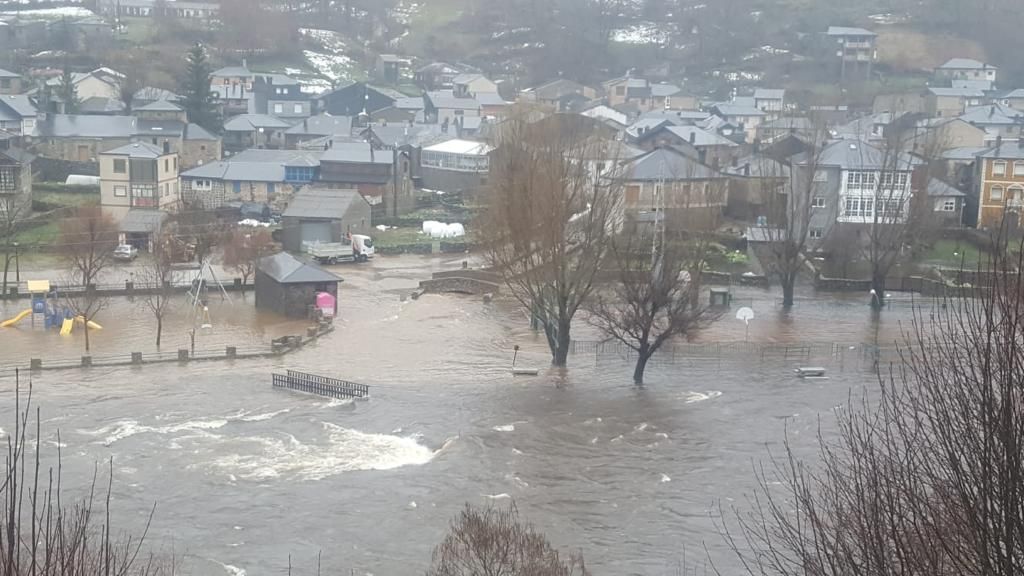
[(664, 90), (860, 155), (356, 153), (957, 92), (737, 110), (152, 94), (937, 187), (238, 171), (8, 74), (323, 125), (992, 114), (414, 135), (20, 104), (848, 31), (287, 269), (446, 99), (1005, 151), (87, 126), (232, 72), (1018, 93), (250, 122), (757, 166), (142, 221), (967, 153), (137, 150), (329, 204), (700, 136), (197, 132), (305, 158), (159, 106), (665, 164), (964, 64), (409, 103), (101, 105)]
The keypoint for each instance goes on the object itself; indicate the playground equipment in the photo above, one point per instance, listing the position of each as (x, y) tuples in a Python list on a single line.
[(44, 303)]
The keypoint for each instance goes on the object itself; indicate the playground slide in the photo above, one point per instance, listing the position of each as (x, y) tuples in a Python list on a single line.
[(65, 328), (16, 319), (91, 324)]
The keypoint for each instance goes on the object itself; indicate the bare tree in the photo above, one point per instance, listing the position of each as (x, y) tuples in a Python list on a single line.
[(13, 209), (43, 534), (87, 240), (651, 300), (790, 207), (548, 221), (244, 248), (495, 541), (157, 274), (925, 479)]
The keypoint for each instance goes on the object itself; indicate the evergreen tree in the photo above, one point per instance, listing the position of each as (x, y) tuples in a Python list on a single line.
[(67, 93), (195, 88)]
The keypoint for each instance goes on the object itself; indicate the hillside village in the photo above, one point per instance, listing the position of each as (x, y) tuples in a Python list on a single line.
[(414, 136)]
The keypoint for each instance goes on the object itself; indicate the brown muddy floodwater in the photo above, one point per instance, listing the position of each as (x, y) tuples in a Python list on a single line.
[(244, 476)]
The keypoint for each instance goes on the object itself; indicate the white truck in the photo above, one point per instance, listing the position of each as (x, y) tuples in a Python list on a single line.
[(355, 248)]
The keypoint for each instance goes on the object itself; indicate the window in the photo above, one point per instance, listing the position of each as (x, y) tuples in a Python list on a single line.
[(949, 206), (995, 193), (999, 168), (270, 187), (5, 83), (297, 109), (238, 187), (820, 176), (889, 209), (1015, 196), (1018, 169), (120, 166), (167, 164), (859, 207), (620, 90), (818, 202), (278, 108), (816, 233), (861, 180), (175, 162), (120, 191)]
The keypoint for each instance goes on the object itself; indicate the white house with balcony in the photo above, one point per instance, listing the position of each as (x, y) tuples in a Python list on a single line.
[(857, 183)]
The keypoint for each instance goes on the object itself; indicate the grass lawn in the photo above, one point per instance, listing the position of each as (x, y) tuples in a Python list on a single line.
[(72, 199), (40, 235), (953, 254), (399, 237), (435, 25)]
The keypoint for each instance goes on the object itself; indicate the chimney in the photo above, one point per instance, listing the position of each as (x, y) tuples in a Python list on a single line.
[(371, 152), (693, 137), (444, 126), (245, 64), (757, 145), (746, 169), (992, 111), (735, 161), (999, 140)]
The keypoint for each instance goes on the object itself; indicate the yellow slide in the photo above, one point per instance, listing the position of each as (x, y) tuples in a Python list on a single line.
[(65, 327), (16, 319), (91, 324)]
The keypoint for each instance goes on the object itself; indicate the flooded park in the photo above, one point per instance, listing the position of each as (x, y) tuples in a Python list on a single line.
[(244, 476)]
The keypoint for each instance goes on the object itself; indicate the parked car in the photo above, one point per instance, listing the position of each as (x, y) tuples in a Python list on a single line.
[(125, 253)]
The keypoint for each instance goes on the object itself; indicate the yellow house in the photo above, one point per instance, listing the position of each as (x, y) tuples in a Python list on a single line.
[(138, 175), (1001, 193)]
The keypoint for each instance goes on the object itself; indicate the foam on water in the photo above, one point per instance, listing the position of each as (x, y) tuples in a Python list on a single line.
[(505, 428), (346, 450), (264, 416), (694, 397), (128, 428)]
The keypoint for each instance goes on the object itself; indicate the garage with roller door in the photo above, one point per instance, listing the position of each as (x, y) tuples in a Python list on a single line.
[(323, 215)]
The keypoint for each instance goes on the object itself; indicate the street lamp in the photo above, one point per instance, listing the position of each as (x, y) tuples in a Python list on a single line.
[(17, 264)]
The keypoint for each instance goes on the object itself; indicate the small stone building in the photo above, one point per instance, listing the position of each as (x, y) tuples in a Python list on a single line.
[(288, 286)]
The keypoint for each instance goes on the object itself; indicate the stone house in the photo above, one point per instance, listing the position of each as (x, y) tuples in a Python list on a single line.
[(324, 215), (1000, 185), (288, 286)]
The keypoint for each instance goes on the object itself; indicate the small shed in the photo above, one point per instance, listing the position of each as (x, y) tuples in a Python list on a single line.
[(323, 215), (289, 286)]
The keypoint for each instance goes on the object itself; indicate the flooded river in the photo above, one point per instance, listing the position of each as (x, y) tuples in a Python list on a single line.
[(243, 475)]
